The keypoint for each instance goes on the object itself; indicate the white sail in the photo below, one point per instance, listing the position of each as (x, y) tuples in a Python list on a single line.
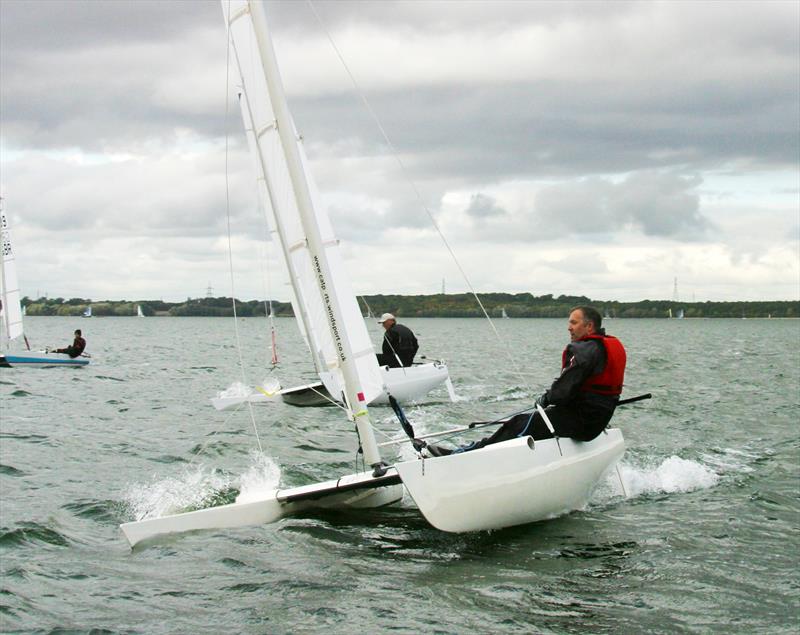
[(139, 311), (10, 310), (280, 201)]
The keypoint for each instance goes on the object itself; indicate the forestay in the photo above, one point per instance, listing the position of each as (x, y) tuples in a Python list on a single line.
[(279, 202)]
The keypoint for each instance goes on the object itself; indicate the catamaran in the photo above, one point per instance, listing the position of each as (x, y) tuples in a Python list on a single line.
[(508, 483), (11, 326)]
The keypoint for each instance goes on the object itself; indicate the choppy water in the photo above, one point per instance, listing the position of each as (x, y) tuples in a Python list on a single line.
[(706, 539)]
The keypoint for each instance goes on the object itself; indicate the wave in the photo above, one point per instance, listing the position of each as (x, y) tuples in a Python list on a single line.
[(10, 470), (672, 475), (200, 487), (261, 477), (28, 533)]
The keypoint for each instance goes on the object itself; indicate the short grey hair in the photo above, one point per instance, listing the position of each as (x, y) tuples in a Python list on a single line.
[(590, 314)]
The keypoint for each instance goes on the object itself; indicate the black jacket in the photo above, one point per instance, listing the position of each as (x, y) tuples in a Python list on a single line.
[(399, 341)]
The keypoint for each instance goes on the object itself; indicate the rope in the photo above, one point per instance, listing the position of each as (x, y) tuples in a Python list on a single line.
[(228, 220), (266, 283), (415, 189)]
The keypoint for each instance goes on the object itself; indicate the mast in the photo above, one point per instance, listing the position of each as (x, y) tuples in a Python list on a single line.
[(354, 394), (300, 305)]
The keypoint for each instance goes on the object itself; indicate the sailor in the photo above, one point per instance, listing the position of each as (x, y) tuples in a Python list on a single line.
[(76, 348), (582, 399), (399, 343)]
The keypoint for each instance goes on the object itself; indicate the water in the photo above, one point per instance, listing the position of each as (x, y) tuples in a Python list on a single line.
[(705, 538)]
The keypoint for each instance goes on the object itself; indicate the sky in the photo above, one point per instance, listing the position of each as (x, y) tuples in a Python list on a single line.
[(618, 150)]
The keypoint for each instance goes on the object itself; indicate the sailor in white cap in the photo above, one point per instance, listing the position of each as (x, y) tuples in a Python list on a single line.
[(399, 343)]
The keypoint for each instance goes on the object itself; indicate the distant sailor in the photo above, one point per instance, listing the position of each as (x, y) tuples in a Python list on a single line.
[(76, 348), (582, 399), (399, 343)]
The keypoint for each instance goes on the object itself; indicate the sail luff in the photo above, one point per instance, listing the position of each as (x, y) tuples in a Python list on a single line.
[(11, 311), (316, 247), (268, 189), (280, 207)]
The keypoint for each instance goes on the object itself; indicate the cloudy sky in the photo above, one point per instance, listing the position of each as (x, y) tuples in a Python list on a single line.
[(592, 148)]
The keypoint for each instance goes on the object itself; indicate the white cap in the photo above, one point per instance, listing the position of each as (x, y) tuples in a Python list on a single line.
[(384, 317)]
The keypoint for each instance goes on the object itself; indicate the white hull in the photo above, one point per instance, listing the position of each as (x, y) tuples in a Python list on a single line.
[(355, 491), (506, 484), (510, 483), (41, 359), (404, 384)]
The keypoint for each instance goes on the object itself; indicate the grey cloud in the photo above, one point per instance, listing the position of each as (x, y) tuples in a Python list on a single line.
[(664, 205), (168, 197), (81, 24), (554, 130), (93, 74), (482, 206)]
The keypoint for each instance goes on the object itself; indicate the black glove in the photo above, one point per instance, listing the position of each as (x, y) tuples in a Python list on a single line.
[(542, 401)]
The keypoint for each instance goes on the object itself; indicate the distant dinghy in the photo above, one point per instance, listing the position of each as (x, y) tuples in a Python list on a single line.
[(11, 314)]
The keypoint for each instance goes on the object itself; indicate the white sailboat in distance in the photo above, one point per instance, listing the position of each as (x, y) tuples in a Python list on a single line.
[(504, 484)]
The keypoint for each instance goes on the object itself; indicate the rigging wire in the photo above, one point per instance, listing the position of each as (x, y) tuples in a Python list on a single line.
[(266, 283), (228, 219), (415, 189)]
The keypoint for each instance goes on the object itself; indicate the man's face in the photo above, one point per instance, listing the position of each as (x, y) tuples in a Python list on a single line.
[(388, 324), (578, 327)]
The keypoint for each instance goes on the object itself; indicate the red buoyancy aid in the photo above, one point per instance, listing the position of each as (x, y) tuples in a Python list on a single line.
[(609, 382)]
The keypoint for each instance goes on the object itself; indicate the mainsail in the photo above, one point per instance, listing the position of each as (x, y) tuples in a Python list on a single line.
[(10, 310), (280, 202)]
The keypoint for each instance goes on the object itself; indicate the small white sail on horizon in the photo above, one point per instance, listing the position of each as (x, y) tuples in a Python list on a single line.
[(139, 311)]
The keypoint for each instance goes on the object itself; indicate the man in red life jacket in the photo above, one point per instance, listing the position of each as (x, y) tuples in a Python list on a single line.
[(582, 399), (76, 348)]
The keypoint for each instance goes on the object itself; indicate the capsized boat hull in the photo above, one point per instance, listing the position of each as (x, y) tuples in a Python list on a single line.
[(40, 359), (510, 483)]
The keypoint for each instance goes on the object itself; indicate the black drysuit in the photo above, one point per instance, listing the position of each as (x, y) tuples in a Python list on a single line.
[(400, 342)]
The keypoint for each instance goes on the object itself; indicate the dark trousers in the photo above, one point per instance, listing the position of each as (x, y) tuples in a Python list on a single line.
[(391, 360), (568, 421)]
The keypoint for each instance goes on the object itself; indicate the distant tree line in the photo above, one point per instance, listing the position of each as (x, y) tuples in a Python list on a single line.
[(515, 305), (526, 305), (200, 307)]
